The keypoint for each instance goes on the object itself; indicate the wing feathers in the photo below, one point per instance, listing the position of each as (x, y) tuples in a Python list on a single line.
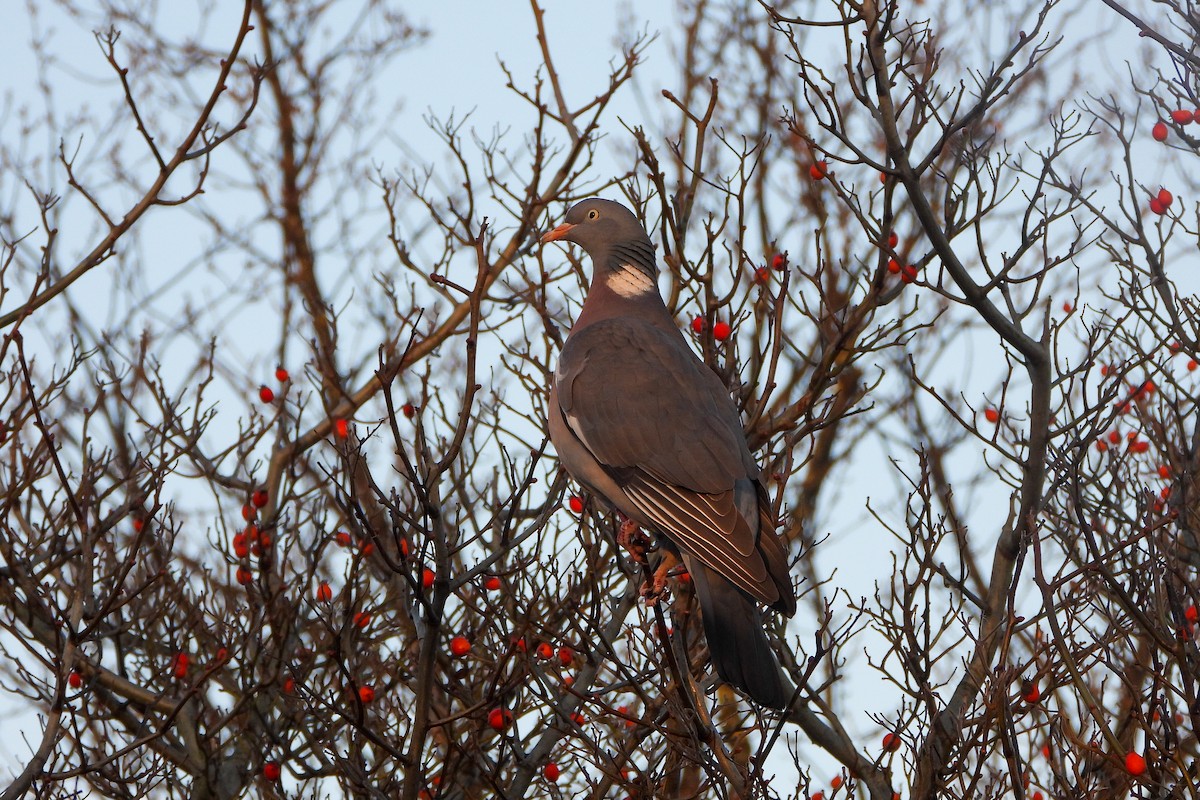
[(663, 426), (685, 521)]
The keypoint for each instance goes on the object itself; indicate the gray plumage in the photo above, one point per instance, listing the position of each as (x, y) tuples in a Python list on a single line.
[(643, 423)]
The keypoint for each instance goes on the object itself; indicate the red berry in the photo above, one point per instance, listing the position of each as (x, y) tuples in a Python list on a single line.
[(576, 504), (324, 593), (551, 772), (427, 578), (1139, 447), (341, 428), (248, 512), (366, 694), (1191, 614), (265, 394), (1182, 116), (75, 680), (545, 651), (578, 718), (492, 583), (1159, 131), (362, 619), (1114, 437), (1030, 692), (893, 240), (1068, 308), (1101, 445), (818, 170), (1166, 198), (698, 325), (1135, 764), (1104, 370), (762, 275), (1035, 796), (565, 656), (500, 718), (1165, 492), (991, 415), (459, 646), (908, 273), (281, 374), (180, 665), (240, 548), (891, 742), (408, 410), (138, 524), (1164, 472), (893, 266), (271, 771), (222, 654), (244, 575), (721, 331), (1191, 365), (343, 538), (779, 262), (1157, 207), (1046, 750), (836, 783), (289, 685), (259, 498)]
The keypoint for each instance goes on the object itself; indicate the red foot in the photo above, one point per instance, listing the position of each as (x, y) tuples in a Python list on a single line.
[(656, 588), (630, 536)]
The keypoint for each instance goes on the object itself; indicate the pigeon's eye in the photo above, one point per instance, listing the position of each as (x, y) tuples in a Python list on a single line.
[(593, 214)]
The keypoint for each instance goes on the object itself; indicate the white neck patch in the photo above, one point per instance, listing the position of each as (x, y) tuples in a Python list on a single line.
[(630, 282)]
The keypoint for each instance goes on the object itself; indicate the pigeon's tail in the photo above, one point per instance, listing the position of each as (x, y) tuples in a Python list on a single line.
[(737, 642)]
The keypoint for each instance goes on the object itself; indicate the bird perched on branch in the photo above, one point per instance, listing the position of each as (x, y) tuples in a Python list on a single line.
[(640, 421)]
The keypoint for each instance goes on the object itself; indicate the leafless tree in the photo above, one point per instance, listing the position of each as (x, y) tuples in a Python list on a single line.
[(279, 514)]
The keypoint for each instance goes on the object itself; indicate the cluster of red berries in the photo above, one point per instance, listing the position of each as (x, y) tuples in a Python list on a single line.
[(251, 541), (721, 330), (266, 393), (365, 547), (1160, 202), (907, 272)]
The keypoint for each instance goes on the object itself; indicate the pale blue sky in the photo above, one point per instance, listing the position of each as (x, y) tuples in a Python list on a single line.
[(457, 71)]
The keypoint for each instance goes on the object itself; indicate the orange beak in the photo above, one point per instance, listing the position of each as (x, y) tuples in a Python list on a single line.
[(558, 233)]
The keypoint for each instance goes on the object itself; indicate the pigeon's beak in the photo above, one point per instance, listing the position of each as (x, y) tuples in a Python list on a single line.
[(558, 233)]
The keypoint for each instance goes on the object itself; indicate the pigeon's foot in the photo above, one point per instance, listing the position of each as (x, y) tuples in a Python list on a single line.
[(655, 589), (630, 536)]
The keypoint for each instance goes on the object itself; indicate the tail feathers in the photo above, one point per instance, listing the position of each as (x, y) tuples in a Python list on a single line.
[(737, 642)]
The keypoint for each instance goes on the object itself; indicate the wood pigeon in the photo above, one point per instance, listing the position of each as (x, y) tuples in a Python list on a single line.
[(643, 423)]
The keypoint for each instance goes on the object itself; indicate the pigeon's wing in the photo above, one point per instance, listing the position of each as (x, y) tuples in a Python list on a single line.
[(662, 424)]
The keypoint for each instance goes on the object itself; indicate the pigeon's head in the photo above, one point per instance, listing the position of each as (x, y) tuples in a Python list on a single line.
[(610, 233)]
